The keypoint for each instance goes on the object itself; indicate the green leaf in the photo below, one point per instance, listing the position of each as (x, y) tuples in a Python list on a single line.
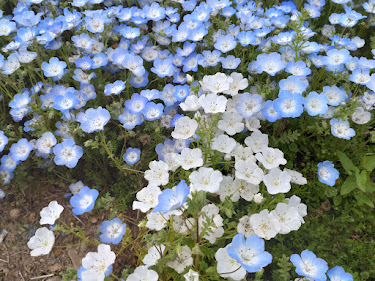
[(361, 179), (369, 163), (362, 198), (346, 162), (337, 200), (349, 185)]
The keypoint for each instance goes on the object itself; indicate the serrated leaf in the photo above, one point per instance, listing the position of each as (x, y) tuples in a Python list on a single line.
[(361, 179), (346, 162), (369, 163), (362, 198), (349, 185)]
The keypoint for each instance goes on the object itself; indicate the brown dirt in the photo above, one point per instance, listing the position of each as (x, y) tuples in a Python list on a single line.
[(19, 215)]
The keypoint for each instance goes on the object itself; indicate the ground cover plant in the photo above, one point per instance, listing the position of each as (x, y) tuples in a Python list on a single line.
[(222, 139)]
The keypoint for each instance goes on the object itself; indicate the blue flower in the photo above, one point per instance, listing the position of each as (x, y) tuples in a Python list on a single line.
[(136, 104), (270, 63), (2, 193), (84, 63), (154, 12), (230, 62), (3, 140), (269, 111), (129, 120), (114, 88), (84, 201), (112, 231), (338, 274), (6, 27), (225, 43), (181, 92), (316, 104), (249, 104), (20, 150), (327, 173), (153, 111), (54, 68), (171, 199), (249, 253), (308, 265), (288, 104), (65, 101), (134, 64), (8, 163), (94, 120), (298, 68), (67, 153), (132, 155), (163, 68), (341, 129)]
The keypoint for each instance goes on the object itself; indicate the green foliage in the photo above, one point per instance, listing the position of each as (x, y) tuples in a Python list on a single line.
[(69, 275)]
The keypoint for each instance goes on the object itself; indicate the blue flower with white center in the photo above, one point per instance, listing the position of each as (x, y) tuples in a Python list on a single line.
[(8, 163), (2, 193), (225, 43), (316, 104), (246, 38), (293, 84), (94, 120), (249, 104), (54, 68), (163, 68), (288, 104), (230, 62), (114, 88), (336, 59), (269, 111), (249, 253), (130, 32), (132, 155), (21, 150), (6, 176), (150, 94), (308, 265), (3, 140), (136, 104), (129, 120), (82, 41), (341, 129), (6, 27), (65, 101), (298, 68), (327, 173), (84, 201), (84, 63), (67, 153), (338, 274), (153, 111), (112, 231), (134, 64), (154, 12), (270, 63), (172, 199), (181, 92)]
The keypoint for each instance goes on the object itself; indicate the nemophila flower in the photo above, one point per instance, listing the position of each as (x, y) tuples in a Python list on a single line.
[(184, 128), (217, 83), (67, 153), (238, 83), (209, 58), (3, 140), (54, 68), (82, 41), (84, 63), (360, 116), (183, 260), (76, 187), (42, 242), (154, 254), (65, 101), (338, 274), (51, 213), (114, 88), (327, 173), (210, 214), (213, 103), (20, 100), (298, 68), (143, 273), (277, 181), (2, 194), (10, 65), (369, 6), (360, 76), (112, 231), (293, 84), (27, 18), (228, 267), (172, 199), (231, 123), (6, 27), (84, 201), (225, 43), (21, 150), (270, 63), (129, 121), (136, 104), (230, 62), (6, 176), (249, 104), (8, 163), (249, 253), (336, 59), (316, 104), (154, 12), (163, 67), (249, 171), (132, 155), (335, 95), (271, 157), (134, 64), (206, 179), (45, 143), (223, 143), (152, 111), (94, 119), (97, 264), (341, 129), (288, 217), (288, 104), (147, 198), (265, 224), (310, 266), (269, 111)]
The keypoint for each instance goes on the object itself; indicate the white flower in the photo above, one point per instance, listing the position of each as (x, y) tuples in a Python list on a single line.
[(76, 187), (154, 254), (247, 190), (288, 217), (190, 158), (243, 153), (142, 273), (191, 276), (231, 123), (360, 116), (184, 128), (157, 221), (271, 157), (223, 143), (225, 265), (210, 214), (97, 263), (297, 177), (249, 171), (295, 201), (191, 103), (51, 213), (229, 188), (265, 224), (212, 103), (257, 141), (253, 124), (238, 83), (180, 226), (158, 173), (244, 226), (258, 198), (277, 181), (148, 198), (183, 260), (42, 242), (171, 160), (206, 179), (45, 143), (217, 83)]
